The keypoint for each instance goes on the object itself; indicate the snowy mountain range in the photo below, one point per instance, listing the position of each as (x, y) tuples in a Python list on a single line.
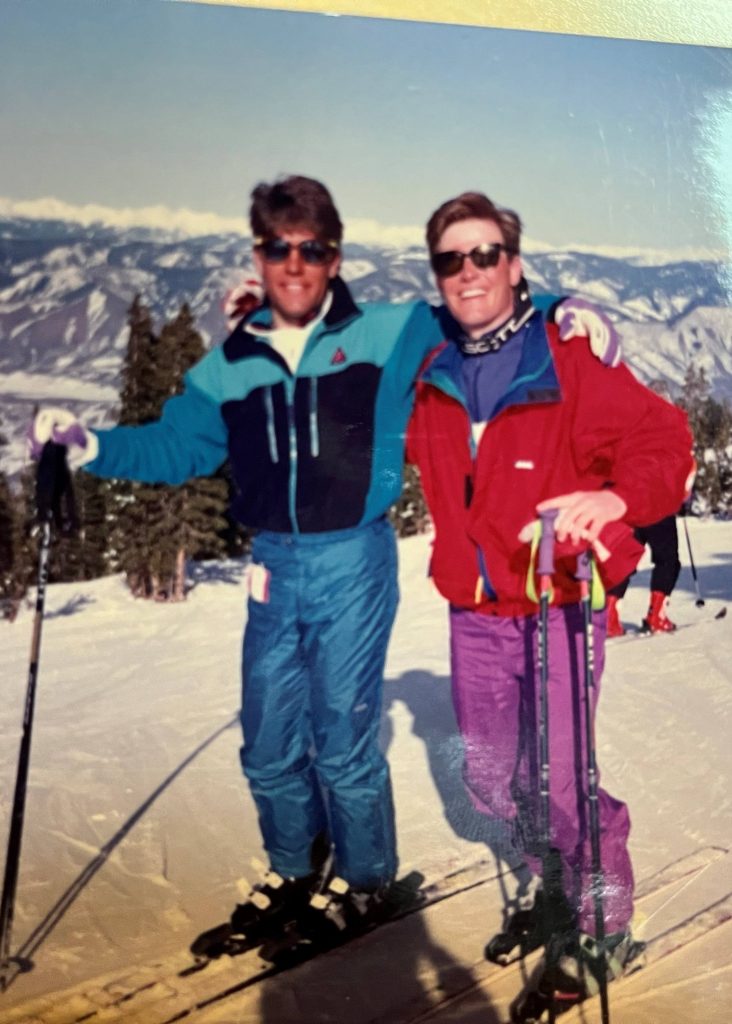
[(65, 289)]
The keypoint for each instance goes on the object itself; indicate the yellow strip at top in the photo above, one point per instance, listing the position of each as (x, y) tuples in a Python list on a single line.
[(699, 22)]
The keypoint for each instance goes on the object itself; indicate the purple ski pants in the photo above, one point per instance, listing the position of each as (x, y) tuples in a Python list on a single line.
[(496, 688)]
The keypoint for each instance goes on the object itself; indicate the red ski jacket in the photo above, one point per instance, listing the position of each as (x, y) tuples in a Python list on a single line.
[(565, 423)]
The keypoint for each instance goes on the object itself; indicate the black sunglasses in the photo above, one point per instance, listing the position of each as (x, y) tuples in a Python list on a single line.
[(312, 251), (446, 264)]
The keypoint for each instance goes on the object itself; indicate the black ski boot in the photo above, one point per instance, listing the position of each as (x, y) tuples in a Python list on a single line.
[(339, 913), (539, 914), (274, 902), (271, 907), (524, 931), (572, 972), (336, 915), (578, 969)]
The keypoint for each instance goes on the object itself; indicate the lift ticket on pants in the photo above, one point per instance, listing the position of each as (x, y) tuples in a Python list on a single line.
[(259, 577)]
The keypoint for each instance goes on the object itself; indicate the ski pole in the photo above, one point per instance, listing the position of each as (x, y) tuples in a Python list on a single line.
[(584, 575), (53, 492), (545, 568), (699, 599), (552, 866)]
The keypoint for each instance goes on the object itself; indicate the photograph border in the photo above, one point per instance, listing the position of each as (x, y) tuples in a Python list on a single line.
[(707, 23)]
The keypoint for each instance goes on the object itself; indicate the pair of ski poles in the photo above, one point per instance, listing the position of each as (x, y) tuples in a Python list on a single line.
[(55, 504), (545, 567)]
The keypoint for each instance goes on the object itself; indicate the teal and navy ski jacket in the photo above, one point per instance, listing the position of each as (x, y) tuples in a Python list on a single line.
[(316, 450)]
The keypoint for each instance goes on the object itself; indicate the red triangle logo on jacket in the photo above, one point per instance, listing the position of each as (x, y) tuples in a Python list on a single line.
[(338, 357)]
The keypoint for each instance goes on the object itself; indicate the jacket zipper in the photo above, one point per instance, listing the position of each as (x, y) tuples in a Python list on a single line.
[(313, 419), (292, 438), (271, 435)]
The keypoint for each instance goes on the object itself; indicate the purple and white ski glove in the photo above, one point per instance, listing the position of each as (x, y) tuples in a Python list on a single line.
[(240, 301), (576, 317), (62, 427)]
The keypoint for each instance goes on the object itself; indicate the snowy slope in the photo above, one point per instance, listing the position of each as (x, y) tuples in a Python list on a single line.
[(139, 824)]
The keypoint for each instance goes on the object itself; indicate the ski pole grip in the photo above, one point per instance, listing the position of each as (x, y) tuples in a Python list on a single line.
[(54, 490), (545, 563), (584, 566), (48, 476)]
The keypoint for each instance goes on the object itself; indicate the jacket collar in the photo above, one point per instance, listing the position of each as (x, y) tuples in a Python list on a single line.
[(243, 339), (342, 308), (535, 380)]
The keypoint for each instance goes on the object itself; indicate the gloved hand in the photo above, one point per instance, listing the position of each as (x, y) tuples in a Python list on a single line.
[(576, 317), (583, 514), (242, 300), (62, 427)]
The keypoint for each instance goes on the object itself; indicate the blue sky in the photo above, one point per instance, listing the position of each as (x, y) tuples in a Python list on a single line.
[(137, 103)]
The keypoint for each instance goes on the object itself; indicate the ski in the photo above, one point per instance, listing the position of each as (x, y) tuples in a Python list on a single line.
[(169, 990), (637, 633), (522, 934)]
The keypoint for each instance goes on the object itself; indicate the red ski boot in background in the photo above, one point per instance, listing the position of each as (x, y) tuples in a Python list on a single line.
[(614, 625), (657, 621)]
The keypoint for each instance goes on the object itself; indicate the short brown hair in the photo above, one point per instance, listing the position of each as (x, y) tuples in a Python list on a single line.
[(471, 205), (291, 202)]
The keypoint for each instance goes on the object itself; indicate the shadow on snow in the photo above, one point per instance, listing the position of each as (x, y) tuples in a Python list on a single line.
[(23, 956)]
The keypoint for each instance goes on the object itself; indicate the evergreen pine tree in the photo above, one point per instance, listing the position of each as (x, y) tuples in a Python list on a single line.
[(135, 509), (23, 566), (409, 515), (9, 593), (157, 527), (142, 389), (83, 554), (198, 508), (711, 426), (13, 574), (6, 537)]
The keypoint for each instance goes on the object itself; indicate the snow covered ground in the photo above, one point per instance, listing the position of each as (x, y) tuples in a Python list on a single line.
[(139, 824)]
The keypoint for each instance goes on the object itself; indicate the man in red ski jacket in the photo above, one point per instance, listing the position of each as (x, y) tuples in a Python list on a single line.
[(509, 421)]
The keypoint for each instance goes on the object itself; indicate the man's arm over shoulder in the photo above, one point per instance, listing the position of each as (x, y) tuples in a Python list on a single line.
[(419, 332), (189, 439)]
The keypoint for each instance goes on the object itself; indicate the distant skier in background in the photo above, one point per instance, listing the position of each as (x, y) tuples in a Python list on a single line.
[(663, 540)]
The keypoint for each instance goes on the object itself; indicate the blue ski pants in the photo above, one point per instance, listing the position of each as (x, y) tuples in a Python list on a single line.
[(313, 663)]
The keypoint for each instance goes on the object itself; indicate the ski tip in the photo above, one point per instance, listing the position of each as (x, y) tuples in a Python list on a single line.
[(721, 613)]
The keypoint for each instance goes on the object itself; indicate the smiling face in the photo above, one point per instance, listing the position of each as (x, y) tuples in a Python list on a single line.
[(295, 289), (478, 299)]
